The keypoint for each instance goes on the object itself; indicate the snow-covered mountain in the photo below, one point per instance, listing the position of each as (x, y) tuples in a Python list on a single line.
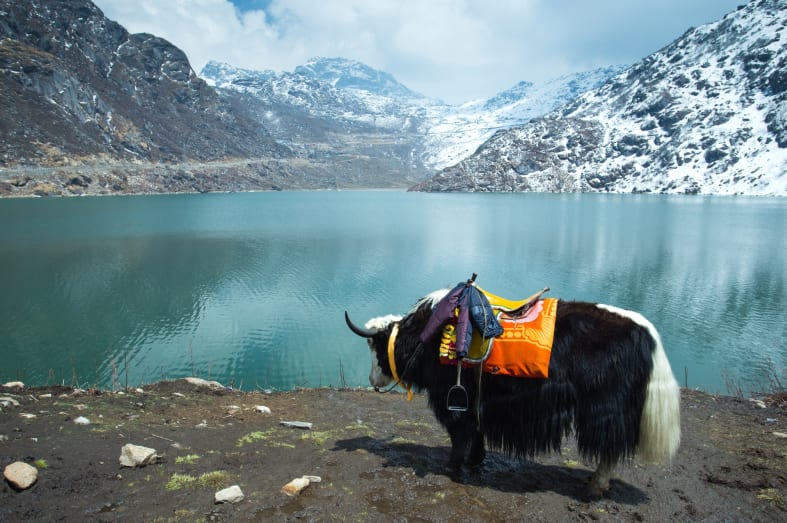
[(454, 133), (334, 88), (706, 114), (351, 74), (347, 92), (338, 114)]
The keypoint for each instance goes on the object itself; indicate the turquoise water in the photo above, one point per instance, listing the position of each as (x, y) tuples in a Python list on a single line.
[(250, 289)]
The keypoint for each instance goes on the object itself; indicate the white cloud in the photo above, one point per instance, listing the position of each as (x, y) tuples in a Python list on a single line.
[(451, 49)]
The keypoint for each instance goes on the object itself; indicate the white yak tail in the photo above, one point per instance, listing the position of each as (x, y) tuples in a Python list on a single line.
[(659, 429)]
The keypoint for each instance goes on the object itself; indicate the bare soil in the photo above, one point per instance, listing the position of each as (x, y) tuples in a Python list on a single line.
[(379, 457)]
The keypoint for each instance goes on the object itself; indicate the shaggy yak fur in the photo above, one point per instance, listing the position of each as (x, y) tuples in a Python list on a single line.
[(609, 383)]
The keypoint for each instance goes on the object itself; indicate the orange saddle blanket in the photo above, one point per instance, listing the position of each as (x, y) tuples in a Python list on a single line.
[(523, 350)]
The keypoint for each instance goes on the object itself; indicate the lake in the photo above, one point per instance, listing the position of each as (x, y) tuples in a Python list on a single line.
[(250, 289)]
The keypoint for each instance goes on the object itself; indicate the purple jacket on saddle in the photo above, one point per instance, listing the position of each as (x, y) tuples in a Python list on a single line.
[(474, 311)]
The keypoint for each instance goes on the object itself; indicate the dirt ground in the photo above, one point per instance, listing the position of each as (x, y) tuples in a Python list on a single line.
[(379, 458)]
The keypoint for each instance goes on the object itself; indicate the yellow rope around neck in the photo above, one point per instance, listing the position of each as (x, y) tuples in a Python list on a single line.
[(392, 362)]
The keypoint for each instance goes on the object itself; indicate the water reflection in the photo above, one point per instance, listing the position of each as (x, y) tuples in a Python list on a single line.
[(250, 288)]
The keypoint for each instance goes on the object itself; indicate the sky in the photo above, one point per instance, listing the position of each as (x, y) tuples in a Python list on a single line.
[(453, 50)]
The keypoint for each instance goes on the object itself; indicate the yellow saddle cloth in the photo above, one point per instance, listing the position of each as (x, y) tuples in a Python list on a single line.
[(523, 350)]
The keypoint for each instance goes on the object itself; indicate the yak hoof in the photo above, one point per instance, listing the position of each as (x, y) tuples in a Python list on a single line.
[(475, 462), (598, 487), (599, 482), (595, 492), (455, 471)]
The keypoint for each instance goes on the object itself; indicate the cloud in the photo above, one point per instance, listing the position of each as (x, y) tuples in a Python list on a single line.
[(450, 49)]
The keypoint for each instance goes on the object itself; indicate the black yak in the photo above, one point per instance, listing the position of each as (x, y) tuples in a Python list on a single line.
[(609, 383)]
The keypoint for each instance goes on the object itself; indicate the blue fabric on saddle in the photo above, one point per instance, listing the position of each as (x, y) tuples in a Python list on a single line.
[(480, 347)]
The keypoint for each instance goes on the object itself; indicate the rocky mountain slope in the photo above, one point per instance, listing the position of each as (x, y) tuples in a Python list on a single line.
[(75, 84), (86, 107), (706, 114)]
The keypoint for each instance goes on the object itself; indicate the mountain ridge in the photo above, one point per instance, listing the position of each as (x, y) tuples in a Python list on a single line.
[(705, 114), (440, 134)]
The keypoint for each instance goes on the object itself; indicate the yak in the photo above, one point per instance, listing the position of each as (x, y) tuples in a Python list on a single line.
[(609, 383)]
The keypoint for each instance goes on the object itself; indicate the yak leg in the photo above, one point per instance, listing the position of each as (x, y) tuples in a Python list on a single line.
[(599, 483), (461, 433), (477, 450)]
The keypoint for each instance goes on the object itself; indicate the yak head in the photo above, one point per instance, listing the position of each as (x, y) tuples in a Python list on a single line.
[(377, 331)]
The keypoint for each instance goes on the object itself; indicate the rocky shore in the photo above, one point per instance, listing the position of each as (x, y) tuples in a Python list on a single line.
[(354, 455)]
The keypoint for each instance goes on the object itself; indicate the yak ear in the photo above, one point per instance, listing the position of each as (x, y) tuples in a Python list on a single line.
[(363, 333)]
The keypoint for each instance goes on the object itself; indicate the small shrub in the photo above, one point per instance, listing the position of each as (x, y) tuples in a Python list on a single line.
[(254, 436), (215, 479), (179, 481), (189, 459)]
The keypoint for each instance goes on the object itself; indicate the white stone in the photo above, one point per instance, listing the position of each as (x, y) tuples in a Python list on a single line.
[(231, 494), (297, 424), (262, 409), (14, 385), (27, 415), (204, 383), (7, 401), (136, 455), (758, 403), (780, 435), (296, 486), (81, 420), (20, 475)]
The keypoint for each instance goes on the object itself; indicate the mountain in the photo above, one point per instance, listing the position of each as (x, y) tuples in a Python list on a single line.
[(351, 74), (348, 104), (706, 114), (86, 108), (354, 121), (455, 133), (76, 89), (72, 77)]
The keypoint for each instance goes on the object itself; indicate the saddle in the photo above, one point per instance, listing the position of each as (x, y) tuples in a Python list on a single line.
[(523, 349)]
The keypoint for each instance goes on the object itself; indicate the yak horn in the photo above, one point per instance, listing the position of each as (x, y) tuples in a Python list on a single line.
[(364, 333)]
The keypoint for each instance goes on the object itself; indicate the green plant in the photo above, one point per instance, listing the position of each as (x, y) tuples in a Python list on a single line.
[(253, 436), (190, 458)]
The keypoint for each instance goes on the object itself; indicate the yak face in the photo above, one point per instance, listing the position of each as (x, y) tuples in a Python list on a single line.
[(380, 374), (377, 332)]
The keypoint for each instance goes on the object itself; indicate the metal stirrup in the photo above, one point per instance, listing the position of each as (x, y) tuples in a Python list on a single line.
[(457, 395)]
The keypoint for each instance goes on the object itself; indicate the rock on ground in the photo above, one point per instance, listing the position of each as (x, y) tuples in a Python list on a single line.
[(231, 494), (136, 455), (21, 475)]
